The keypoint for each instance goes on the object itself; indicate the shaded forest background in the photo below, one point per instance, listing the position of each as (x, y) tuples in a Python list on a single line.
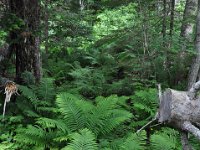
[(87, 71)]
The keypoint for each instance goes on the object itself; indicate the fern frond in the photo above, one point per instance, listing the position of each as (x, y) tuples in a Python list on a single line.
[(72, 113), (133, 142), (51, 123), (31, 136), (35, 136), (107, 115), (166, 139), (84, 140), (45, 90), (28, 93)]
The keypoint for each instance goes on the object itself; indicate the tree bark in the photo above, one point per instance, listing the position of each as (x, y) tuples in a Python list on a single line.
[(172, 17), (26, 40), (184, 140), (46, 20), (194, 70), (186, 32), (181, 110), (164, 21), (187, 23)]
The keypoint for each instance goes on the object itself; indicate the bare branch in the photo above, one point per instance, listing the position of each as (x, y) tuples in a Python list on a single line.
[(184, 141), (193, 90), (187, 126), (155, 118), (159, 93)]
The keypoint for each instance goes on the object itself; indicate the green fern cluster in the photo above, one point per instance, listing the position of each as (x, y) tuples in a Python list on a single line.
[(77, 123), (72, 122)]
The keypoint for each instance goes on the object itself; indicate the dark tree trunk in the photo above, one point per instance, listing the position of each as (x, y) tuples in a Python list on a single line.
[(26, 40), (46, 20), (172, 17), (164, 26)]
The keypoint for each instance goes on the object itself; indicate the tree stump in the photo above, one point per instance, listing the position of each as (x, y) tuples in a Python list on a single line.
[(181, 109)]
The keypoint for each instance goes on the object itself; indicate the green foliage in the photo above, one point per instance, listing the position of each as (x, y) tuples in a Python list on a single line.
[(145, 103), (166, 139), (100, 68), (109, 20), (84, 140), (102, 118), (133, 142)]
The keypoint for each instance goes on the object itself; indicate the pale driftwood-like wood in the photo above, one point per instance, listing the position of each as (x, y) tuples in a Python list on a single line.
[(181, 109)]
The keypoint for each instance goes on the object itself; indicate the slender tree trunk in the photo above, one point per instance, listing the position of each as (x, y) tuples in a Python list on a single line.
[(164, 27), (172, 18), (46, 20), (26, 40)]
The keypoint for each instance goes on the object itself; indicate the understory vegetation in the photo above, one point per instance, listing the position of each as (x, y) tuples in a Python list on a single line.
[(101, 64)]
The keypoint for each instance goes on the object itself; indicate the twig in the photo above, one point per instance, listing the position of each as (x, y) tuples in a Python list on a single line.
[(156, 125), (147, 124), (159, 93), (4, 108)]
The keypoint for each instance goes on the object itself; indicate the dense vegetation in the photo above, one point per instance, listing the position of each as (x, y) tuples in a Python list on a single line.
[(101, 63)]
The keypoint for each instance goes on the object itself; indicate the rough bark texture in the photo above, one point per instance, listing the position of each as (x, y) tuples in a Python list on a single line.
[(172, 17), (181, 109), (164, 26), (26, 40), (46, 20), (185, 142), (187, 29), (187, 23), (196, 63)]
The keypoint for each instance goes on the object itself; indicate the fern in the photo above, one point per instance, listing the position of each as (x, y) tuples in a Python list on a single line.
[(28, 93), (107, 115), (73, 114), (84, 140), (134, 142), (45, 90), (165, 139), (35, 136), (102, 118), (52, 123), (31, 136)]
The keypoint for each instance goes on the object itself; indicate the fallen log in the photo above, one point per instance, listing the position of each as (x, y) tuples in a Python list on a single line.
[(181, 109)]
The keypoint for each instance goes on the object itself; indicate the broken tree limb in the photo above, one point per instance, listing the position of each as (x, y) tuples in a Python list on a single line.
[(154, 119), (187, 126), (193, 90), (10, 88), (184, 140), (181, 110)]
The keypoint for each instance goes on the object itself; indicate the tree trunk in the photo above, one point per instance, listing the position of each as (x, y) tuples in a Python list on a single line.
[(186, 32), (187, 23), (164, 21), (194, 70), (46, 20), (26, 40), (172, 18)]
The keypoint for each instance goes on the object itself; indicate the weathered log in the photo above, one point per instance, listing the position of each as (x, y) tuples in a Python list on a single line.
[(181, 109)]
